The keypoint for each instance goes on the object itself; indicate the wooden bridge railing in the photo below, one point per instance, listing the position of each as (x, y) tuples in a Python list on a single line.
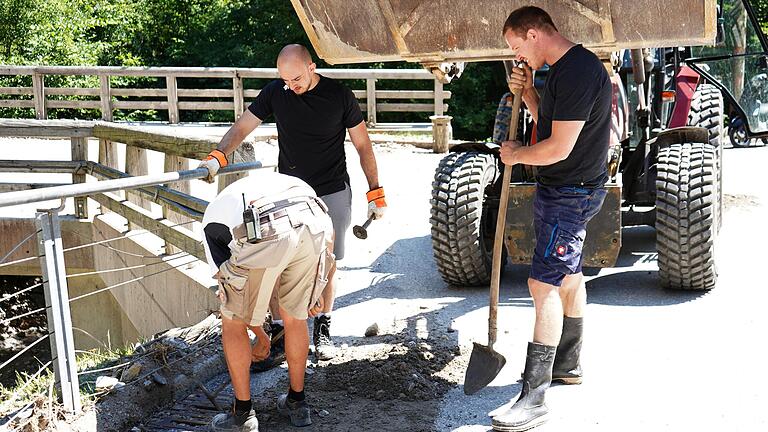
[(174, 99)]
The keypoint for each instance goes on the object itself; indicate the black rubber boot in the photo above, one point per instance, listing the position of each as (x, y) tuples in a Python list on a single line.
[(530, 410), (321, 338), (567, 368)]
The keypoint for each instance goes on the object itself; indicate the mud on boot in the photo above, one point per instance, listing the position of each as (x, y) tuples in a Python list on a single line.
[(321, 338), (530, 410), (297, 412), (230, 422), (567, 368), (276, 351)]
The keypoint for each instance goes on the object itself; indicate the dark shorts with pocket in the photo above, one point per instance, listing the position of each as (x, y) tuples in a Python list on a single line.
[(560, 217)]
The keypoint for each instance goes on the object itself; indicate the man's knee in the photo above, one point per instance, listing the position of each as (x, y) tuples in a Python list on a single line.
[(539, 289)]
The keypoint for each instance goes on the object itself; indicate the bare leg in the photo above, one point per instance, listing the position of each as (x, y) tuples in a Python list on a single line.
[(296, 349), (573, 294), (549, 312), (329, 294), (237, 352)]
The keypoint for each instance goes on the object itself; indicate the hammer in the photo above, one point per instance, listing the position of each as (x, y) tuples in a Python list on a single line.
[(360, 231)]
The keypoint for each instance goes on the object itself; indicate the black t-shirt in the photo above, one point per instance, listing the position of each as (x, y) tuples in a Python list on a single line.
[(310, 130), (577, 88)]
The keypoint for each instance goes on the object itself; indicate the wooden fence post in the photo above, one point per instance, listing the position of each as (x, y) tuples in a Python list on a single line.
[(176, 163), (38, 94), (439, 98), (370, 100), (173, 99), (80, 153), (105, 96), (239, 99), (136, 165), (244, 153), (442, 133)]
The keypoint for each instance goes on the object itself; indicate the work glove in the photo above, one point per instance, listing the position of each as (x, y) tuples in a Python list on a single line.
[(376, 203), (213, 162)]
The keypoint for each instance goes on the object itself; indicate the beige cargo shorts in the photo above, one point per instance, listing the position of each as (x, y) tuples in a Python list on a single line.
[(296, 263)]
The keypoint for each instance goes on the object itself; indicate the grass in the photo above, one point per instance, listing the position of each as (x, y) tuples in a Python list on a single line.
[(28, 387)]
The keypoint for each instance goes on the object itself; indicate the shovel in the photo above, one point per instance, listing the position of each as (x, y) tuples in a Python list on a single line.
[(485, 363)]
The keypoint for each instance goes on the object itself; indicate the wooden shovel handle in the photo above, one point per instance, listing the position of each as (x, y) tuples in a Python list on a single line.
[(501, 221)]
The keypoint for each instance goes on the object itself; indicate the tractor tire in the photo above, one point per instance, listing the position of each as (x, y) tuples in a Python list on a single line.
[(707, 112), (686, 212), (463, 217)]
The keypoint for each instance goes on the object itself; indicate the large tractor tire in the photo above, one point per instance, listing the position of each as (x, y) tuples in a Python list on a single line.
[(707, 112), (686, 215), (463, 217)]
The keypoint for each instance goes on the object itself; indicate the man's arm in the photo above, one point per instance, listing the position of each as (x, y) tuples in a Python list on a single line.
[(362, 142), (551, 150), (531, 99), (237, 133)]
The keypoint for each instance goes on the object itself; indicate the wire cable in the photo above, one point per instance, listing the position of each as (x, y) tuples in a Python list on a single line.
[(18, 246), (20, 353)]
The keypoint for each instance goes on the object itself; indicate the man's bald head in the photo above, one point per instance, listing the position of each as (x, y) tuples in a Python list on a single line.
[(294, 53), (296, 69)]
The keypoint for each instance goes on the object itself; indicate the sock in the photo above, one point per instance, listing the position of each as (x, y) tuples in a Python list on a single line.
[(295, 396), (242, 407), (322, 314)]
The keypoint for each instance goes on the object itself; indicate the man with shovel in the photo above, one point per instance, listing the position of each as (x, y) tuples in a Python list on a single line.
[(572, 116), (313, 114)]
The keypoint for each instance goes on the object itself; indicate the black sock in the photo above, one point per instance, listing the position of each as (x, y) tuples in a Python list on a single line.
[(242, 407), (295, 396)]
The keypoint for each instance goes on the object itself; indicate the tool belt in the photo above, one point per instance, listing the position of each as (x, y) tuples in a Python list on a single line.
[(279, 217)]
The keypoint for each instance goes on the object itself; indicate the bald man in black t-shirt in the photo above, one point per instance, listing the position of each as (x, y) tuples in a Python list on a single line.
[(313, 115)]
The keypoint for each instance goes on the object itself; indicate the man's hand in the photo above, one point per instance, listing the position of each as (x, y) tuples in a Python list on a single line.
[(213, 162), (260, 350), (521, 78), (376, 203), (317, 308), (509, 151)]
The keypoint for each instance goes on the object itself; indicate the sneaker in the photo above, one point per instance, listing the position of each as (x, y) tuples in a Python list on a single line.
[(321, 338), (276, 351), (230, 422), (298, 412)]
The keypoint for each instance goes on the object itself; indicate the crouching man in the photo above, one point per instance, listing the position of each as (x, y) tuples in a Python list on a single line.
[(267, 232)]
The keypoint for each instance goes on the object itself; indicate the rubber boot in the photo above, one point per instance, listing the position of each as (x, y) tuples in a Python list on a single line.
[(567, 369), (530, 410)]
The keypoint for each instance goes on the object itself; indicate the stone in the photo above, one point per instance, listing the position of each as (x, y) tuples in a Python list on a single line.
[(372, 330), (131, 372), (323, 413), (156, 377), (107, 383)]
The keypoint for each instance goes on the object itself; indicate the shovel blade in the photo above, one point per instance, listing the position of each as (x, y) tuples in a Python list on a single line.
[(484, 365)]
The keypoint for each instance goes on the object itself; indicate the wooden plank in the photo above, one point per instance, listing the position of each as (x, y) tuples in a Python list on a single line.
[(370, 100), (250, 94), (408, 107), (17, 103), (222, 106), (41, 166), (161, 227), (38, 90), (105, 97), (401, 94), (16, 91), (71, 91), (238, 97), (140, 105), (173, 99), (80, 153), (108, 157), (45, 128), (175, 163), (15, 187), (193, 148), (136, 165), (189, 205), (73, 104), (139, 92)]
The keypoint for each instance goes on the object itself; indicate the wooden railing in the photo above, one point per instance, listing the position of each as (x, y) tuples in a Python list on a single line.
[(179, 207), (107, 98)]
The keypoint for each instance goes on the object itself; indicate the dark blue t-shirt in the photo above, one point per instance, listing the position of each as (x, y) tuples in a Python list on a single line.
[(310, 130), (577, 88)]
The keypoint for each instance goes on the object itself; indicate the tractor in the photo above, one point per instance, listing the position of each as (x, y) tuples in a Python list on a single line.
[(677, 68)]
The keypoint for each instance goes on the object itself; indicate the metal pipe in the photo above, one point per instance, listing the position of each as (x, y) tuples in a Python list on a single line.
[(81, 189)]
